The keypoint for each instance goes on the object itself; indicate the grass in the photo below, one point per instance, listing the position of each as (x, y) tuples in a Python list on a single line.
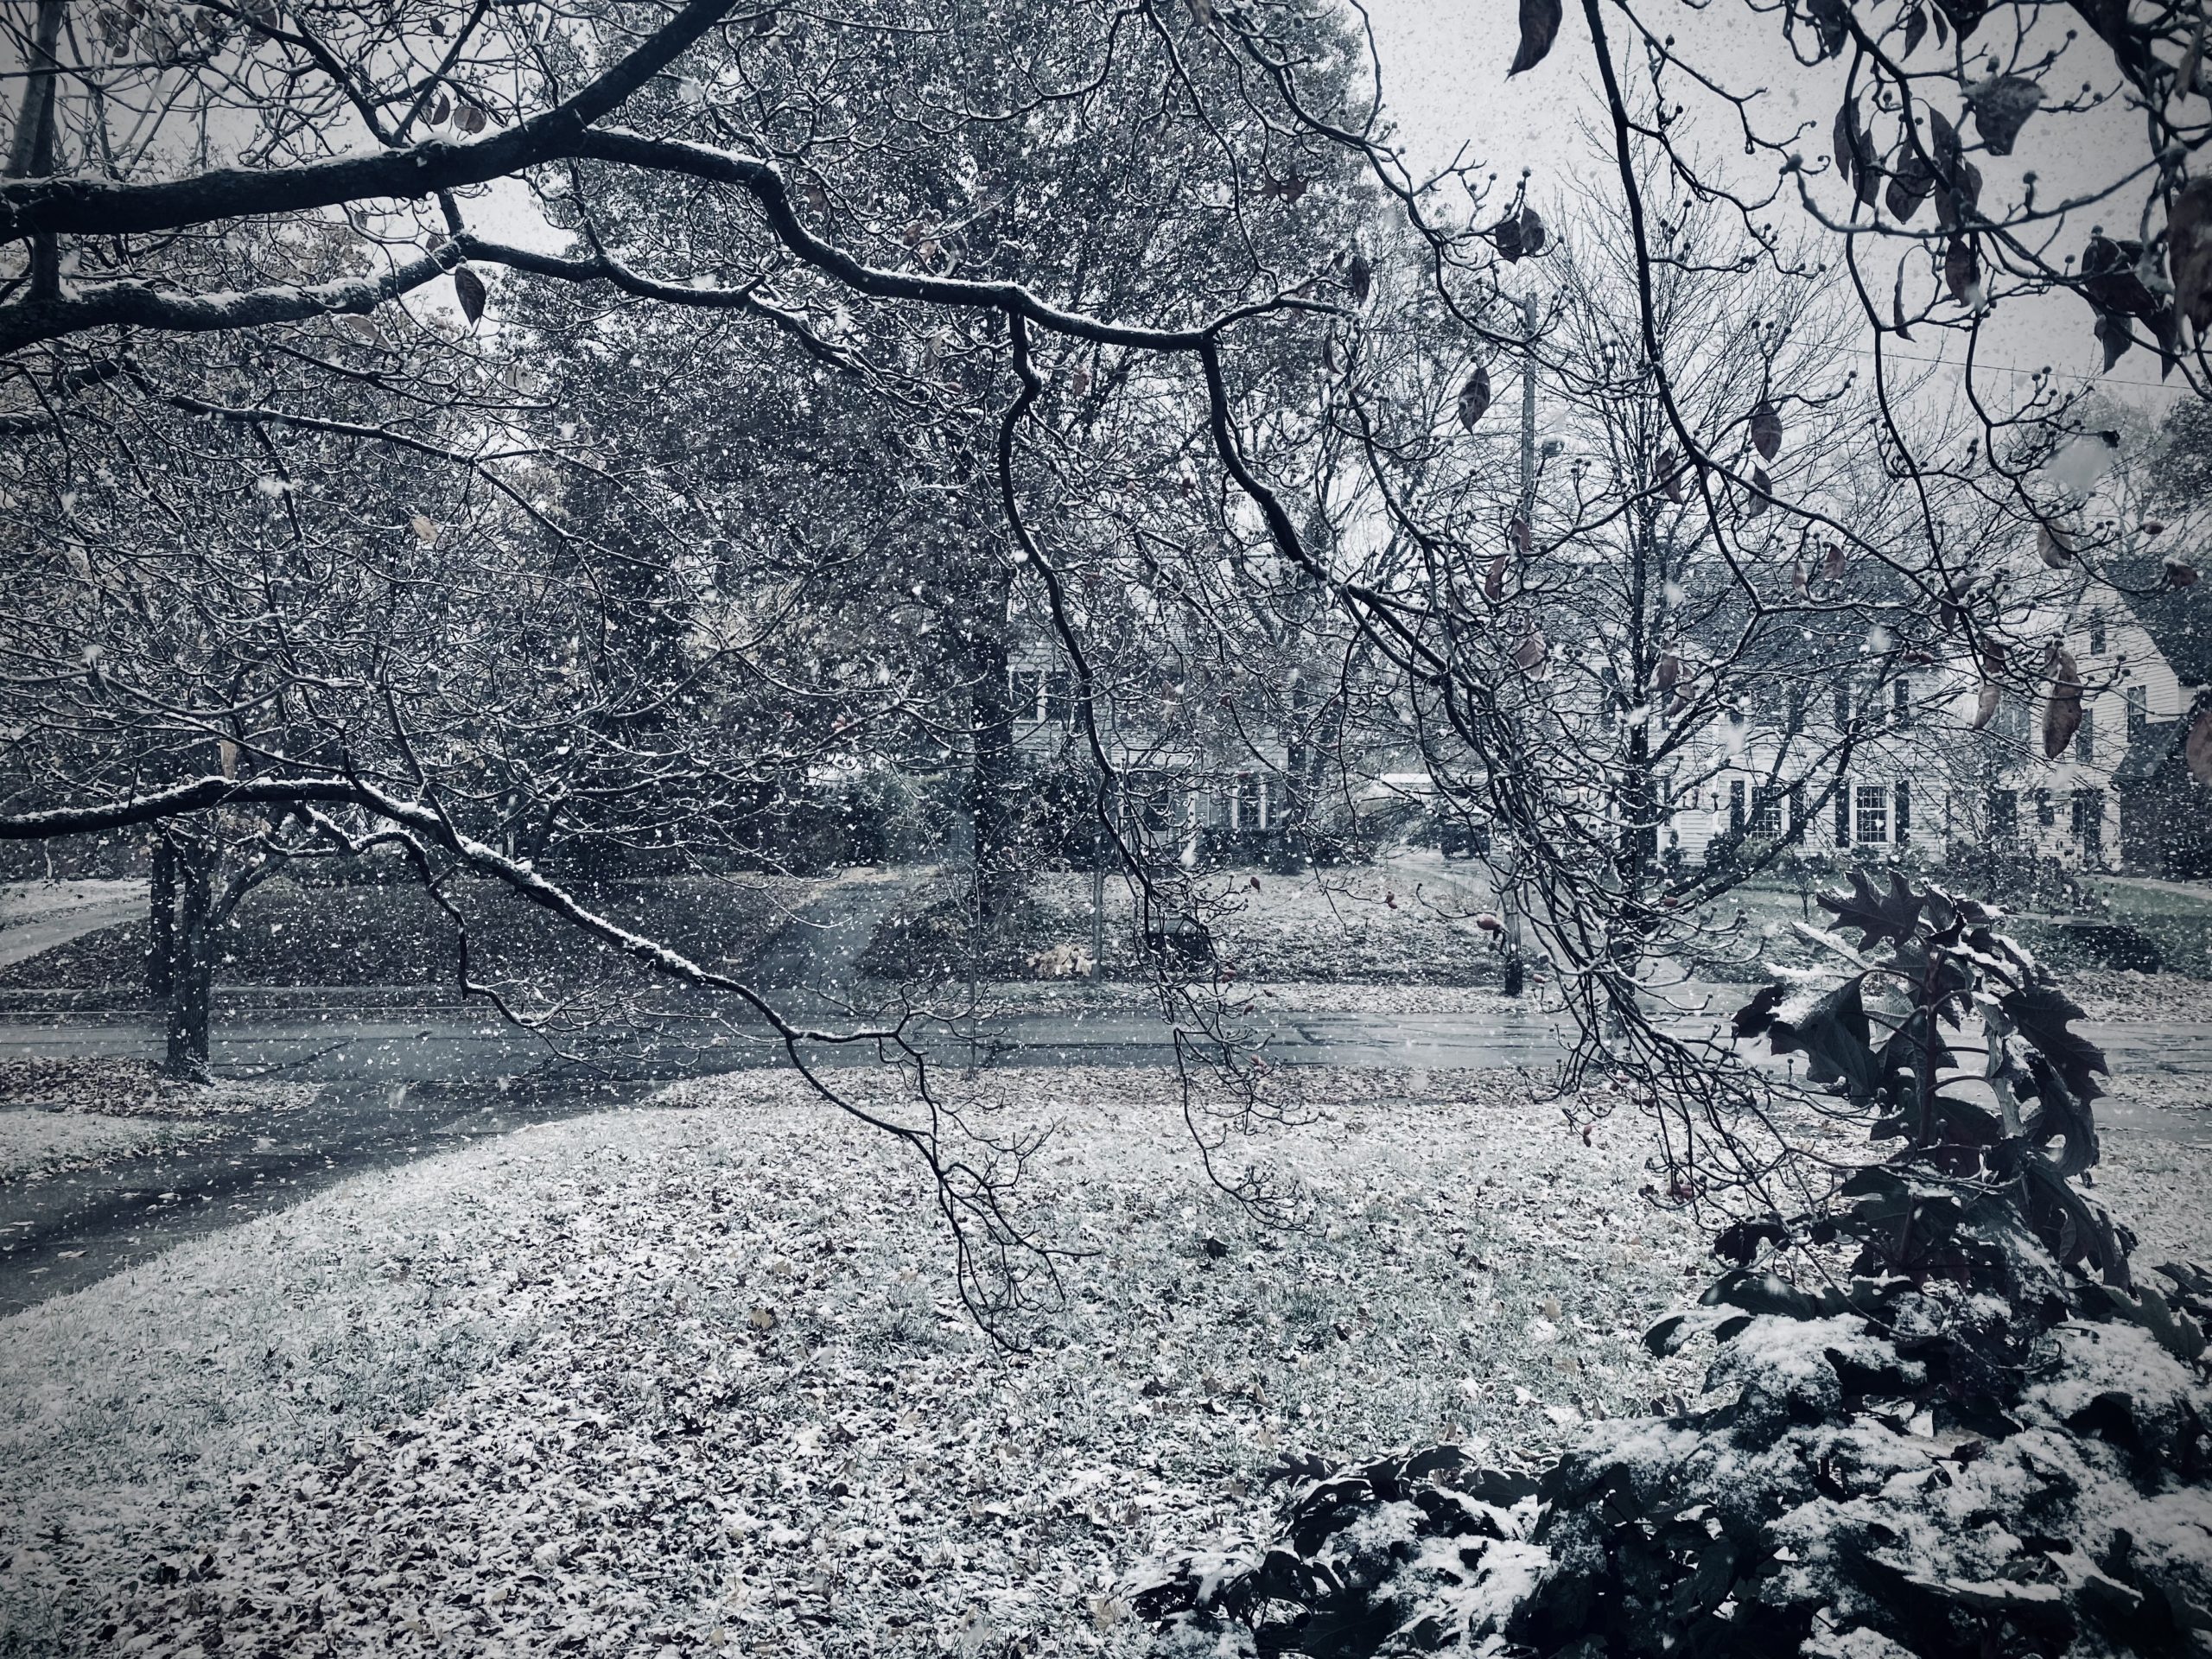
[(35, 1141), (1405, 920), (692, 1379), (669, 1373), (395, 934)]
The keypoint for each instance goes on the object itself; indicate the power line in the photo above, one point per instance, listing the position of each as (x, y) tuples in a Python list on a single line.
[(2010, 368)]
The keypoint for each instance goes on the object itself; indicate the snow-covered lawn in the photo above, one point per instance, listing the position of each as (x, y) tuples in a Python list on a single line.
[(35, 1141), (656, 1374), (120, 1088), (28, 901), (692, 1379)]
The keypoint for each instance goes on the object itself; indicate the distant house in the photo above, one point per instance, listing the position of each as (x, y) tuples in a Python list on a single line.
[(2165, 815)]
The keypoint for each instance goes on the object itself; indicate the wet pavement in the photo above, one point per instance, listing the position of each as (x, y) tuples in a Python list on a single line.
[(401, 1084)]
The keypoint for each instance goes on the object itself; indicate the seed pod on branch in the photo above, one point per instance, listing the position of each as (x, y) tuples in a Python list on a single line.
[(1474, 397), (1985, 706), (2061, 708), (2196, 747), (1766, 429)]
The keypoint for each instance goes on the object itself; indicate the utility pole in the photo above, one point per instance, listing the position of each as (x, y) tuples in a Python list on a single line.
[(1509, 899)]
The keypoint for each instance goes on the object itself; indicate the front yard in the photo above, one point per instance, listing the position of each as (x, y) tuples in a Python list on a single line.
[(690, 1378)]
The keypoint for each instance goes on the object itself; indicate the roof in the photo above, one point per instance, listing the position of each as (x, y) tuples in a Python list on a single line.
[(2178, 620)]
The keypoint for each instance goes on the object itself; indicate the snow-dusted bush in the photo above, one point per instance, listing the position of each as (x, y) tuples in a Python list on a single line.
[(1947, 1419)]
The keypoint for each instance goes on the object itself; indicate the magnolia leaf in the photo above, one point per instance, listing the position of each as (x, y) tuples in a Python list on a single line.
[(1359, 277), (1671, 477), (468, 118), (1766, 429), (2188, 252), (1912, 181), (1525, 540), (1494, 580), (1962, 269), (1533, 234), (1539, 29), (2114, 335), (1896, 308), (1801, 581), (1854, 155), (1985, 706), (2062, 710), (1079, 381), (1474, 397), (2179, 573), (1507, 237), (361, 327), (1531, 653), (2053, 547), (1761, 496), (440, 107), (468, 289), (1832, 564), (1916, 26), (1670, 672), (2111, 279), (1832, 23), (2196, 747), (425, 529), (2000, 107)]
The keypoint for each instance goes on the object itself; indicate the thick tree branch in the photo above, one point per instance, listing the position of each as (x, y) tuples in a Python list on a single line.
[(89, 206)]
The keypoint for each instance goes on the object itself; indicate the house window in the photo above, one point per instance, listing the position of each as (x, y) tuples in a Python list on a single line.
[(2004, 814), (2085, 743), (1873, 813), (2139, 711), (1905, 813), (2088, 814), (1247, 808), (2046, 812), (1766, 812), (1059, 698), (1736, 807)]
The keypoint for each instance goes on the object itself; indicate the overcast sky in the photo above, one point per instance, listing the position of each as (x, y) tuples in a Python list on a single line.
[(1443, 64)]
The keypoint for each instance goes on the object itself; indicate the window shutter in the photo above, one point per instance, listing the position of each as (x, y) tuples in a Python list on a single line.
[(1736, 807), (1905, 813), (1842, 813)]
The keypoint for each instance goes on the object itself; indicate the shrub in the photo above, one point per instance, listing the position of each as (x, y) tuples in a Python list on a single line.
[(1951, 1422)]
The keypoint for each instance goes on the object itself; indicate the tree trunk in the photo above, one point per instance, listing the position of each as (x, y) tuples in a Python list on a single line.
[(161, 929), (193, 964), (993, 782)]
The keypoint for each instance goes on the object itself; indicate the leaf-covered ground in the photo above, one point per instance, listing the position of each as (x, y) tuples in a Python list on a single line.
[(691, 1379), (35, 1141), (1404, 922), (393, 933)]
